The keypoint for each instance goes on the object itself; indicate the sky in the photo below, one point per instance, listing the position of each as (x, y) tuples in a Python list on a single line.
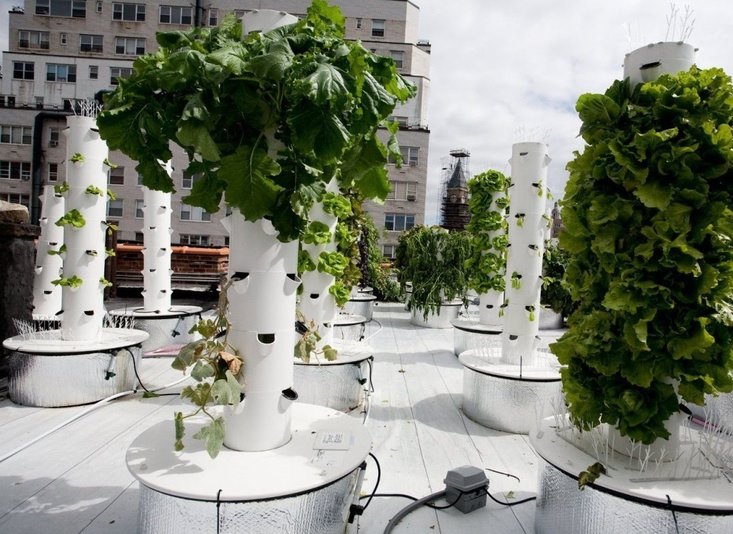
[(507, 71)]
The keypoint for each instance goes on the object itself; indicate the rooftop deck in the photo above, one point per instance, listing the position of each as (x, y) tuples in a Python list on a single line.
[(74, 478)]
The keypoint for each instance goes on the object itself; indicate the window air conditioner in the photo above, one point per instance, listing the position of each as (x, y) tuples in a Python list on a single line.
[(411, 198)]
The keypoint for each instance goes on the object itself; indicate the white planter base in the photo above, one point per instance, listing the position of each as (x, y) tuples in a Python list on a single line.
[(342, 384), (349, 327), (661, 499), (361, 304), (304, 486), (470, 334), (49, 372), (164, 329), (507, 397), (443, 319)]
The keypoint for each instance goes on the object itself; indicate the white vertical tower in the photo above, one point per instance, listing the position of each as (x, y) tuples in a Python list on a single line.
[(86, 174), (526, 246), (46, 296), (316, 303), (157, 252), (649, 62), (491, 301)]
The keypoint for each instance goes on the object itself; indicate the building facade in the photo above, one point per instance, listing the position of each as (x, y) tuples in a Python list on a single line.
[(61, 51)]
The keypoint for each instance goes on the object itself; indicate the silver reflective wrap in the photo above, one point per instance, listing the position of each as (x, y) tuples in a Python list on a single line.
[(561, 507), (504, 404), (360, 307), (322, 511), (71, 379), (333, 386)]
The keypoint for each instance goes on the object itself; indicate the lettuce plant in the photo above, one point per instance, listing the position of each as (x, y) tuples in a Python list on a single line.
[(487, 204), (649, 228)]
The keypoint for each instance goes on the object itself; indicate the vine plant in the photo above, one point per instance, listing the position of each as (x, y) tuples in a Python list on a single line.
[(649, 228), (267, 120)]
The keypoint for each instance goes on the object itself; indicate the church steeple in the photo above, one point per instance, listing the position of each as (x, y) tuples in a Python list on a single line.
[(454, 207)]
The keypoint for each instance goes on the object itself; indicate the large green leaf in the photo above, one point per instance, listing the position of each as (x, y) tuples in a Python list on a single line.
[(213, 436), (250, 188), (317, 130), (192, 133), (327, 85)]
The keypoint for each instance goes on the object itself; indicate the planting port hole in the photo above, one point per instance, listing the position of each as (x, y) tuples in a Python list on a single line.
[(47, 292), (153, 270), (314, 296), (489, 306), (651, 65), (523, 153), (153, 227), (89, 312), (293, 277), (266, 339), (239, 276), (290, 394), (512, 337), (327, 325)]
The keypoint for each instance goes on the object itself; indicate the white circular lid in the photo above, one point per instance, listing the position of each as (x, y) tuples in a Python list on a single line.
[(471, 325), (50, 342), (326, 445), (348, 352), (474, 360), (349, 319), (363, 297), (662, 479), (172, 312)]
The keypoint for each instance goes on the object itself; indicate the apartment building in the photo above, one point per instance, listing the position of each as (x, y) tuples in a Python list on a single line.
[(61, 51)]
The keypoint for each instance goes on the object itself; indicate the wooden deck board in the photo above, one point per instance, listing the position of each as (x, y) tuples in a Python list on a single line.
[(76, 480)]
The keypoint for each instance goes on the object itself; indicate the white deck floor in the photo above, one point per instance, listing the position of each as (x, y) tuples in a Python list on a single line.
[(75, 479)]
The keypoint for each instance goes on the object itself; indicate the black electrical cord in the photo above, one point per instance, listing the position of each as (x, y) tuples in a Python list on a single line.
[(674, 515), (403, 495), (370, 363), (218, 511), (508, 503), (147, 391), (379, 478)]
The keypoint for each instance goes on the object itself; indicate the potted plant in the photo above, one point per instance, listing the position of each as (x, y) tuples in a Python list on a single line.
[(267, 120), (433, 260), (375, 273), (648, 227), (488, 230)]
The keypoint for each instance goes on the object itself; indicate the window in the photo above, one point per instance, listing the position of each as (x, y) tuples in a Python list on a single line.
[(16, 198), (389, 251), (193, 239), (403, 191), (114, 208), (139, 237), (93, 72), (53, 137), (409, 156), (140, 179), (33, 40), (176, 15), (90, 43), (398, 56), (213, 17), (16, 135), (189, 179), (378, 28), (62, 8), (99, 6), (130, 46), (398, 222), (63, 38), (116, 176), (358, 24), (132, 12), (118, 72), (139, 212), (59, 72), (53, 172), (15, 170), (39, 102), (23, 70), (194, 213)]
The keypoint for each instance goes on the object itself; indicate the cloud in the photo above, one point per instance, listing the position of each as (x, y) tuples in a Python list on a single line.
[(504, 72)]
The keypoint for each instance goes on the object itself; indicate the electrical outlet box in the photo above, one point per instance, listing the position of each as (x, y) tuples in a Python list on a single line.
[(466, 486)]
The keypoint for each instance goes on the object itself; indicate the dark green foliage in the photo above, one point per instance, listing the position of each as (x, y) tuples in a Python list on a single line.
[(649, 226), (554, 294)]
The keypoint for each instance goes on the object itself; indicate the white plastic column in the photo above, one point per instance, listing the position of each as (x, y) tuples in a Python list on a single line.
[(651, 61), (316, 302), (526, 234), (85, 246), (261, 311), (157, 252), (46, 296)]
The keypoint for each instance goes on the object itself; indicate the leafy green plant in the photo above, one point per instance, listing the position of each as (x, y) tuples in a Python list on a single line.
[(531, 312), (108, 253), (267, 120), (649, 226), (215, 365), (340, 292), (554, 293), (520, 219), (104, 282), (61, 250), (73, 218), (337, 205), (307, 345), (90, 252), (332, 263), (317, 233), (374, 272), (488, 226), (61, 188), (109, 164), (111, 227), (433, 260), (72, 282), (516, 280), (94, 190), (111, 194), (77, 158)]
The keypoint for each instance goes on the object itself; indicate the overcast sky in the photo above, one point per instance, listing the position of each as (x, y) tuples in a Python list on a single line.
[(509, 71), (505, 71)]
